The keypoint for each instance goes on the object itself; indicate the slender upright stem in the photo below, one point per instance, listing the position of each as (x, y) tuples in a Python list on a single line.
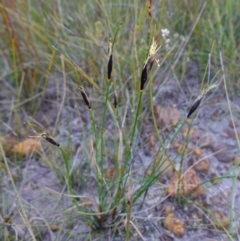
[(103, 124), (136, 116)]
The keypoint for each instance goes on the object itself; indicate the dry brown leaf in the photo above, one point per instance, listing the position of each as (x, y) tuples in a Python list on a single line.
[(203, 166), (174, 115), (221, 221), (189, 184), (27, 146), (198, 152), (165, 237), (224, 153), (111, 172), (218, 200), (235, 124), (216, 180), (54, 227), (162, 164), (175, 145), (183, 149), (86, 202), (168, 209), (166, 117), (152, 143), (7, 143), (206, 141), (236, 160), (190, 133), (174, 225), (231, 133)]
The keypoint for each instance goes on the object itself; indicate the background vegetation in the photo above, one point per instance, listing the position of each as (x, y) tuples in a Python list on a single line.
[(49, 48)]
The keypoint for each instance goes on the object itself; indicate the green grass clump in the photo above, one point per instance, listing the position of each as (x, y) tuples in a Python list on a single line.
[(109, 54)]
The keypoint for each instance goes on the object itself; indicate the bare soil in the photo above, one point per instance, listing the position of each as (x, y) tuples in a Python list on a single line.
[(53, 215)]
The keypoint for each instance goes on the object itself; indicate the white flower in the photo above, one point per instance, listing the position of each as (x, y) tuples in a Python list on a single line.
[(165, 32)]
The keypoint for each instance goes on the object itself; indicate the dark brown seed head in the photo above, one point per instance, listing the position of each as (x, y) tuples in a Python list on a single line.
[(149, 9), (144, 76), (149, 62), (48, 138), (110, 63), (85, 97), (195, 105), (146, 70)]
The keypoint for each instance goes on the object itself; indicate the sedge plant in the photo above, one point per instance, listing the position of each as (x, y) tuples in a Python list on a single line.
[(116, 197)]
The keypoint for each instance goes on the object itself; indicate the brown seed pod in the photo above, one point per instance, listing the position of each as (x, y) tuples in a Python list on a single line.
[(149, 63), (144, 76), (110, 63), (85, 97), (195, 105), (149, 9), (48, 138)]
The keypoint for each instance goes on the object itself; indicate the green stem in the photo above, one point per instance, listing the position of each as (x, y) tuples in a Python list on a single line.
[(21, 208), (157, 131), (128, 154), (71, 191), (136, 117), (101, 193), (98, 175), (65, 159), (128, 159), (128, 220), (93, 126), (103, 125), (45, 80)]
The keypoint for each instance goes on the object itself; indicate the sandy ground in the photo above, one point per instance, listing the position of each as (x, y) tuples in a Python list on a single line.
[(213, 140)]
